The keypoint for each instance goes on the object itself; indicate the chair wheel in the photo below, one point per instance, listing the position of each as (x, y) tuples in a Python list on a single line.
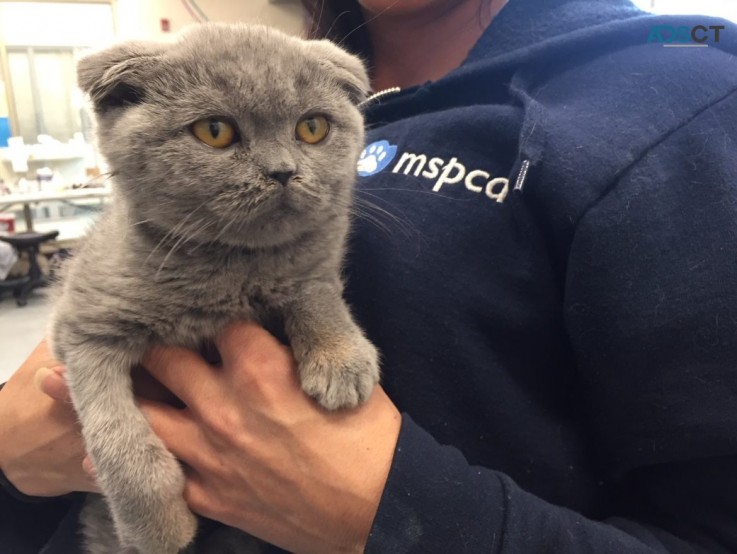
[(21, 301)]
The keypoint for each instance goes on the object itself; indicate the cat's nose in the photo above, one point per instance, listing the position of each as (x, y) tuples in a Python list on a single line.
[(282, 176)]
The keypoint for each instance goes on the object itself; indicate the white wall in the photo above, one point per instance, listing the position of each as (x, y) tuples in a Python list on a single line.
[(140, 19), (55, 24), (719, 8), (87, 24)]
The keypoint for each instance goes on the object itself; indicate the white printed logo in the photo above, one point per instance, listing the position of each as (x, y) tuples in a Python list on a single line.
[(452, 172), (375, 157), (378, 155)]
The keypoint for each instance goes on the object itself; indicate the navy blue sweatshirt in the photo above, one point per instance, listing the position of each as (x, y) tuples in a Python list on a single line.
[(555, 294), (548, 263)]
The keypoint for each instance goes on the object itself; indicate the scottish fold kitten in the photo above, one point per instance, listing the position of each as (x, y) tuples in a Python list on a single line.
[(233, 153)]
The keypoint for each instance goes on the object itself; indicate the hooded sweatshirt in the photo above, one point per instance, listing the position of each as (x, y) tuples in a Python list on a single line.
[(548, 264), (546, 256)]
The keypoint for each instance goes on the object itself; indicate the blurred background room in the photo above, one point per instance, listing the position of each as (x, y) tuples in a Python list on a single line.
[(52, 182)]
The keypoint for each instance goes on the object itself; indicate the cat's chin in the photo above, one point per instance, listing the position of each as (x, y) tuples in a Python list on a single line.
[(254, 246), (259, 237)]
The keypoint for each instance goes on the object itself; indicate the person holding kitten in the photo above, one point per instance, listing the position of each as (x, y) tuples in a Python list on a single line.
[(553, 299)]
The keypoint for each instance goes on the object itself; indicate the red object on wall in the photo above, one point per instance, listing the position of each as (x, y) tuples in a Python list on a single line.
[(165, 25), (7, 224)]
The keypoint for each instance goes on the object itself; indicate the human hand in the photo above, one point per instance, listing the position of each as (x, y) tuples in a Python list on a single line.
[(261, 456), (41, 448)]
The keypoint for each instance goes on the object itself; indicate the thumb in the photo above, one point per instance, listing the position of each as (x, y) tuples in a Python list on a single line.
[(51, 382)]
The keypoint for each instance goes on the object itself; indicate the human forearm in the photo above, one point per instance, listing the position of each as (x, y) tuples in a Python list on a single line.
[(434, 501), (40, 447)]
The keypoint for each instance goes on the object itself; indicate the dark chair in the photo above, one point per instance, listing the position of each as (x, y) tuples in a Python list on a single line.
[(29, 243)]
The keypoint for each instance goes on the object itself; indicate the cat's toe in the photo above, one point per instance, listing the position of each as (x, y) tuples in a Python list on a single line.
[(169, 532), (341, 378), (155, 520)]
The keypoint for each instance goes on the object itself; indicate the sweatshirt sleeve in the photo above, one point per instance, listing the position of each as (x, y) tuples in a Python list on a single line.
[(651, 311), (27, 527), (28, 522), (435, 502)]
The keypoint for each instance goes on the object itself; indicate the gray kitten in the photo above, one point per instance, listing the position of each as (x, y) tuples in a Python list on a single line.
[(234, 156)]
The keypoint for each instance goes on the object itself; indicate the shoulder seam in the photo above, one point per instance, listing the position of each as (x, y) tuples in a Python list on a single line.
[(661, 139)]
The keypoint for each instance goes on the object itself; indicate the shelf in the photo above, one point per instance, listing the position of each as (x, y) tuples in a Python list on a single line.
[(67, 153), (69, 195)]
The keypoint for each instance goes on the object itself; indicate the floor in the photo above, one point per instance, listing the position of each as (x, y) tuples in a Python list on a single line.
[(21, 329)]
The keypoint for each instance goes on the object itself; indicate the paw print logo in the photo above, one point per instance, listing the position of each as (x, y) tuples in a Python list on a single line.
[(375, 157)]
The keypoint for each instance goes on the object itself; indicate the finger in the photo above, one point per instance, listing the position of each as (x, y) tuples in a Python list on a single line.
[(181, 371), (198, 498), (51, 382), (245, 344), (89, 468), (145, 386), (177, 429), (91, 474)]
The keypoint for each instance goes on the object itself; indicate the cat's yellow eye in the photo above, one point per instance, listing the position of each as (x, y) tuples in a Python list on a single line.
[(312, 129), (214, 132)]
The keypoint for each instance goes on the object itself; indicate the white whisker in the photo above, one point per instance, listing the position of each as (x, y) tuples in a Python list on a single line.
[(171, 232)]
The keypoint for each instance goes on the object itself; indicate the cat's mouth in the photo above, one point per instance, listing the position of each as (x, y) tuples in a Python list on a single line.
[(294, 198), (276, 204), (255, 206), (268, 216)]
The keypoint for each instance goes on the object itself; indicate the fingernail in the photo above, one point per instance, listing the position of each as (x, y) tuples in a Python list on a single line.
[(88, 468), (41, 374), (60, 369)]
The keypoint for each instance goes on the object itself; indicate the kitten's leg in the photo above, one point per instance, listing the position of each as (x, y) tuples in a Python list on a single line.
[(141, 480), (98, 528), (338, 366)]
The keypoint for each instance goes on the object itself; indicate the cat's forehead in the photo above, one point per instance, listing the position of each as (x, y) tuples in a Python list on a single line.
[(244, 44), (252, 64)]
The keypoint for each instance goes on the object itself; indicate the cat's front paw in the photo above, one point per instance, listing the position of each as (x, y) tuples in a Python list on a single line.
[(170, 531), (156, 519), (341, 373)]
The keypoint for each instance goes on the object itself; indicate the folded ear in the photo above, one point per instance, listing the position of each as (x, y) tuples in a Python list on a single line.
[(347, 68), (116, 76)]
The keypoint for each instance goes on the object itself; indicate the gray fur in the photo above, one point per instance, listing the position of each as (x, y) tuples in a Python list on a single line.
[(198, 237)]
